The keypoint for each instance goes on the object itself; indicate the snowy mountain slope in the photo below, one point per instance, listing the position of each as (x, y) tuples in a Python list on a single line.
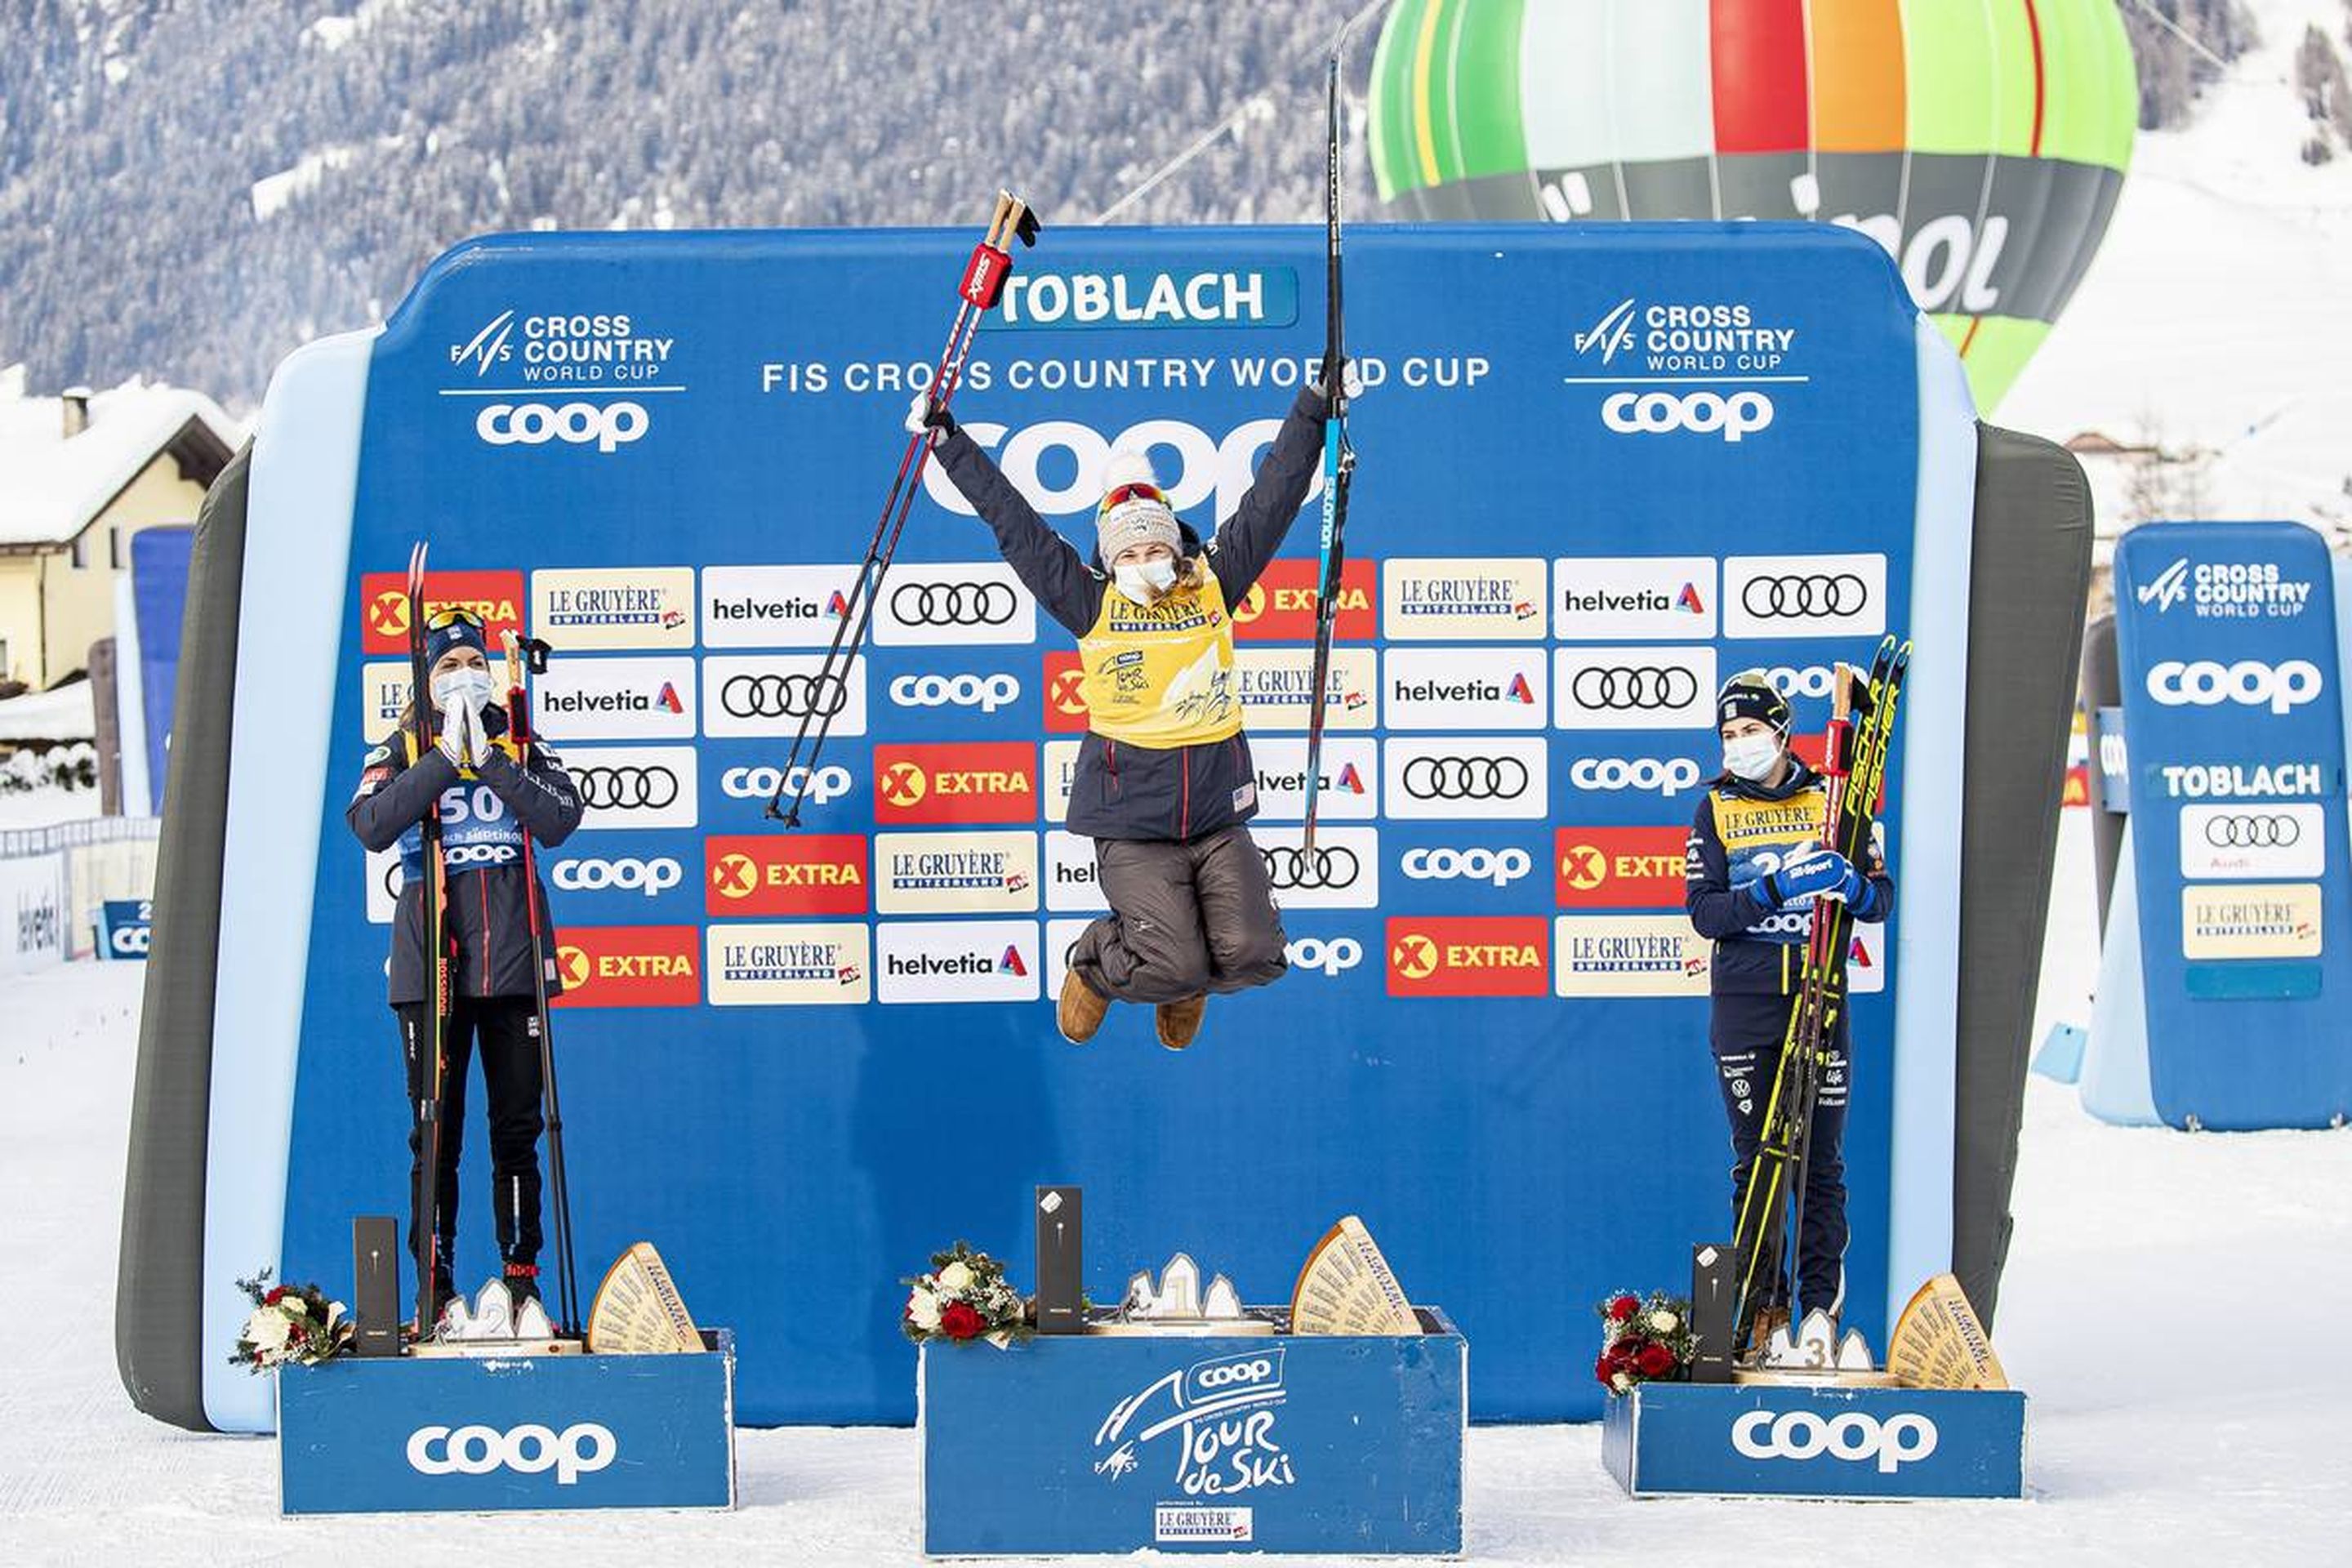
[(2217, 317)]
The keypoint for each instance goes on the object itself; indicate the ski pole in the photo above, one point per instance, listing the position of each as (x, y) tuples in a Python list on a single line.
[(558, 1178), (1338, 456), (983, 285), (424, 1214)]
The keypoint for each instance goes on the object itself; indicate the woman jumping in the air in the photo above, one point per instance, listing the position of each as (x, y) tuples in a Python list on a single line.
[(1164, 780)]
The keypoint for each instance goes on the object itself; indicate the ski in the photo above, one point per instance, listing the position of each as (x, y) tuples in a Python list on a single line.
[(983, 283), (1338, 458), (425, 1213), (532, 654), (1853, 765)]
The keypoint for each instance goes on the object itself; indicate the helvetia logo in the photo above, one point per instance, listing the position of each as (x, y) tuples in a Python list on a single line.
[(1689, 602)]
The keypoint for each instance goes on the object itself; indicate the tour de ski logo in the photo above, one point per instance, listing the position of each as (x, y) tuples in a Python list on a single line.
[(1221, 1413)]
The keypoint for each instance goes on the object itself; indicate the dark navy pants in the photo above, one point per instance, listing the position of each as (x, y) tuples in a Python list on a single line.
[(508, 1027), (1746, 1033)]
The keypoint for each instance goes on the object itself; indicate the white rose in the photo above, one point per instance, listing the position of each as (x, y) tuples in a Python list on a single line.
[(923, 1309), (267, 1330), (955, 1278), (1663, 1321), (1620, 1383)]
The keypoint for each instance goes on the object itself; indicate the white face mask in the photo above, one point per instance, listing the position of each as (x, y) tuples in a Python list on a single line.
[(1145, 581), (1752, 757), (470, 687)]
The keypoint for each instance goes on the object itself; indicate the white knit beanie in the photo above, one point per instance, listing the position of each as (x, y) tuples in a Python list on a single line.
[(1138, 520)]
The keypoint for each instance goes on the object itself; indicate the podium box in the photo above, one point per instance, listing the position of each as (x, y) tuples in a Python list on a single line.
[(1096, 1443), (1681, 1440), (464, 1434)]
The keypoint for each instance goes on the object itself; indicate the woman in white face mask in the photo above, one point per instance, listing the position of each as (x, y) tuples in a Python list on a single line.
[(1164, 782), (1752, 873)]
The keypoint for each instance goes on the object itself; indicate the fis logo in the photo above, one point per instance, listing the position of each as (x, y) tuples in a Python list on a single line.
[(2170, 588), (1612, 334), (486, 347)]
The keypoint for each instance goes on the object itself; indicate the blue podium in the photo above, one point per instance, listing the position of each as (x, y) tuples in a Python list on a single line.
[(1667, 1439), (411, 1434), (1116, 1444)]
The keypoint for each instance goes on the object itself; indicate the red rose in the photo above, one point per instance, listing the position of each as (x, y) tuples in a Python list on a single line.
[(959, 1321), (1623, 1308), (1655, 1361), (276, 1294), (1604, 1369)]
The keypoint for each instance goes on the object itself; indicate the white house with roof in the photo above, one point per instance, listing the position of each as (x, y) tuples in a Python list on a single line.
[(80, 473)]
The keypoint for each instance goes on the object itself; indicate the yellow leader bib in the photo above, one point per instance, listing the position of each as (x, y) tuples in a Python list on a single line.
[(1162, 675)]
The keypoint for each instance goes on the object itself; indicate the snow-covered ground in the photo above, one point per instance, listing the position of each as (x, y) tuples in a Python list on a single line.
[(2219, 309), (2172, 1306)]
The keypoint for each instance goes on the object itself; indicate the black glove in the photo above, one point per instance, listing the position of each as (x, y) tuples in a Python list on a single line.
[(925, 417), (1351, 379)]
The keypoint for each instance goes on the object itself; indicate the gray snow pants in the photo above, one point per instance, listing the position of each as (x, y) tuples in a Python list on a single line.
[(1186, 919)]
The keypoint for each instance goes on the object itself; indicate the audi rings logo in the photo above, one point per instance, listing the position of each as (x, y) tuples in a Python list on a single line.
[(1325, 955), (2266, 831), (1664, 775), (1326, 866), (579, 1449), (1465, 778), (1734, 418), (1500, 867), (1791, 596), (625, 788), (632, 874), (783, 696), (1630, 688), (985, 693), (953, 604), (607, 427)]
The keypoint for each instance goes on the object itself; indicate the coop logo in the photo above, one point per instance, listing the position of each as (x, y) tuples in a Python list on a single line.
[(994, 781), (1731, 418), (784, 874), (628, 966), (495, 597), (1619, 868), (985, 693), (957, 961), (828, 782), (607, 427), (2226, 590), (634, 787), (1222, 1413), (1058, 464), (1470, 599), (782, 694), (1327, 956), (1468, 955), (581, 1450), (1804, 595), (1655, 775), (1280, 606), (1500, 867), (1609, 336), (788, 964), (649, 878), (2249, 683), (564, 349), (1432, 689), (1466, 776), (955, 873), (1634, 688), (1851, 1437), (964, 604)]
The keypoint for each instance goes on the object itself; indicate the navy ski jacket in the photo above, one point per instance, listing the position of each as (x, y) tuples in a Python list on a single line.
[(1742, 831)]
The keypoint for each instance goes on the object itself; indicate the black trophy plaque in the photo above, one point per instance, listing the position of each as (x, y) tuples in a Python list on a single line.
[(375, 1297), (1061, 1269), (1715, 1280)]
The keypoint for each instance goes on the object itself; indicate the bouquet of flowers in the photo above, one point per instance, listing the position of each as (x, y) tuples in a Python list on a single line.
[(964, 1296), (289, 1322), (1642, 1340)]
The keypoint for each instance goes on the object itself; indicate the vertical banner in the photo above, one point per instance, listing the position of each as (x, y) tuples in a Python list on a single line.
[(2234, 731), (159, 591)]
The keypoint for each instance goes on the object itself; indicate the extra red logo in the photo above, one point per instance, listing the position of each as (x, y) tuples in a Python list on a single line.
[(996, 781), (629, 966), (1619, 868), (1066, 694), (1469, 955), (1280, 606), (495, 597), (785, 874)]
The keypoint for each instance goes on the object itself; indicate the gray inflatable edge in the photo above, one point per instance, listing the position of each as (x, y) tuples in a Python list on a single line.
[(2028, 585), (158, 1290)]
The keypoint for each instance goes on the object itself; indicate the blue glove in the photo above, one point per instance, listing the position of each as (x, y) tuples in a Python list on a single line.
[(1815, 872)]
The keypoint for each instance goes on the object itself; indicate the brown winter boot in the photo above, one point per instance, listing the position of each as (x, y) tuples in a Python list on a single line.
[(1080, 1012), (1180, 1021)]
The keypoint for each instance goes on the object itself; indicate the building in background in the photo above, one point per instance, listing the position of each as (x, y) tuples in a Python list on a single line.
[(81, 475)]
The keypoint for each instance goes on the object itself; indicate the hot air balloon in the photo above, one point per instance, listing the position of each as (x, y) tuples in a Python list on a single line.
[(1982, 142)]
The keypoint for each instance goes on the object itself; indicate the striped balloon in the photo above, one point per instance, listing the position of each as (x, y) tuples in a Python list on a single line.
[(1983, 142)]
